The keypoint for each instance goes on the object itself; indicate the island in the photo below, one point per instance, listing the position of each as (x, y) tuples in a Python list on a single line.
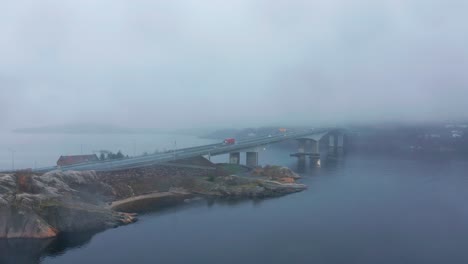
[(45, 205)]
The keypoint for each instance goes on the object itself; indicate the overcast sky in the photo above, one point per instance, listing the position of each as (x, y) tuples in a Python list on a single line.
[(202, 63)]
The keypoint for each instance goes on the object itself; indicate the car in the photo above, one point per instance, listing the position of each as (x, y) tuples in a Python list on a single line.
[(229, 141)]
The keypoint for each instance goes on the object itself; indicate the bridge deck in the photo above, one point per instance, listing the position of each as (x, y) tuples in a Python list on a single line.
[(305, 154), (211, 149)]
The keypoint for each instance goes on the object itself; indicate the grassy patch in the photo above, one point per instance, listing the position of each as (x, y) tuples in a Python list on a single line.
[(210, 178), (49, 203), (233, 168)]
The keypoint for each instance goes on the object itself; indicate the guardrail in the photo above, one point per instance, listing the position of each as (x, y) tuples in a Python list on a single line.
[(158, 158)]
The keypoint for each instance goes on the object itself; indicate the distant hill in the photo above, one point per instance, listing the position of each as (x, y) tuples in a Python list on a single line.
[(85, 129)]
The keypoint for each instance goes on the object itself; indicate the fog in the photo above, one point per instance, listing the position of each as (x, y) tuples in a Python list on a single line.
[(183, 64)]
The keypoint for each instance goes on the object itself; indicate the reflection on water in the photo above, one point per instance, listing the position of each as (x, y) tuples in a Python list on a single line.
[(53, 248), (14, 251), (65, 242), (357, 210)]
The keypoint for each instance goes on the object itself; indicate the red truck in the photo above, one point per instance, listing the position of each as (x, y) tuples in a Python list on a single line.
[(229, 141)]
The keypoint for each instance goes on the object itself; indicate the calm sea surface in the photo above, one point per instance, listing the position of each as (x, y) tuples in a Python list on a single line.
[(359, 209)]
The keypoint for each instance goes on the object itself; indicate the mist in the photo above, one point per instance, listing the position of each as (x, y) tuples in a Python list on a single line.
[(183, 64)]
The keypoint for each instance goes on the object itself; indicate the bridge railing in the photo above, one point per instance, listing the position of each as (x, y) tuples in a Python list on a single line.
[(211, 149)]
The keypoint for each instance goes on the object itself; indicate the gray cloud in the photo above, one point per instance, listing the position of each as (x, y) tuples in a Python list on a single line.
[(199, 63)]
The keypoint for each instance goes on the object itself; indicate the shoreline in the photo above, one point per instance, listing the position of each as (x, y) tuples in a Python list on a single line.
[(144, 202), (42, 206)]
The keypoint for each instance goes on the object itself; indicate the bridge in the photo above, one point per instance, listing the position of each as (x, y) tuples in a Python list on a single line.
[(312, 139)]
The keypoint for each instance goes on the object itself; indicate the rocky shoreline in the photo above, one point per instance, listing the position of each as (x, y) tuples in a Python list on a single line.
[(43, 206)]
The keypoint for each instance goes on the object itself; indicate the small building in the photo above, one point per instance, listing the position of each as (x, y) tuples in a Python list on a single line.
[(76, 159)]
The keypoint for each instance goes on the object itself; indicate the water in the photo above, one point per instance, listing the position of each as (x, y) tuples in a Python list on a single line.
[(358, 210)]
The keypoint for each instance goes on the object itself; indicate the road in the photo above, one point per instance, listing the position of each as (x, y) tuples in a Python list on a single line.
[(160, 158)]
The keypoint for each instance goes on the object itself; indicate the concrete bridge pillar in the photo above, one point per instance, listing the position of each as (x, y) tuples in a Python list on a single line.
[(251, 159), (302, 146), (340, 144), (315, 156), (301, 149), (234, 158), (315, 147), (331, 143)]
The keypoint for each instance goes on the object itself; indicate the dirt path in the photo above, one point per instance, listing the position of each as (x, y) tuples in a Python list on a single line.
[(116, 205)]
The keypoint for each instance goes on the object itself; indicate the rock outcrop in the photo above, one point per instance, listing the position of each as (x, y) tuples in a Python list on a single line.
[(42, 206), (34, 206), (241, 187), (277, 173)]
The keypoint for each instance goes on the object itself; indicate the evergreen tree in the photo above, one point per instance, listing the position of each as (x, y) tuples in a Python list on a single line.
[(119, 155), (110, 156)]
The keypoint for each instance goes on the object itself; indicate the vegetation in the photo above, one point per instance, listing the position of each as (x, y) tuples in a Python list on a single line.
[(233, 168), (210, 178), (108, 155)]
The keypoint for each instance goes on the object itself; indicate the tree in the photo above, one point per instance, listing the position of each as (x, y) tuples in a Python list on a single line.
[(119, 155), (110, 156)]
